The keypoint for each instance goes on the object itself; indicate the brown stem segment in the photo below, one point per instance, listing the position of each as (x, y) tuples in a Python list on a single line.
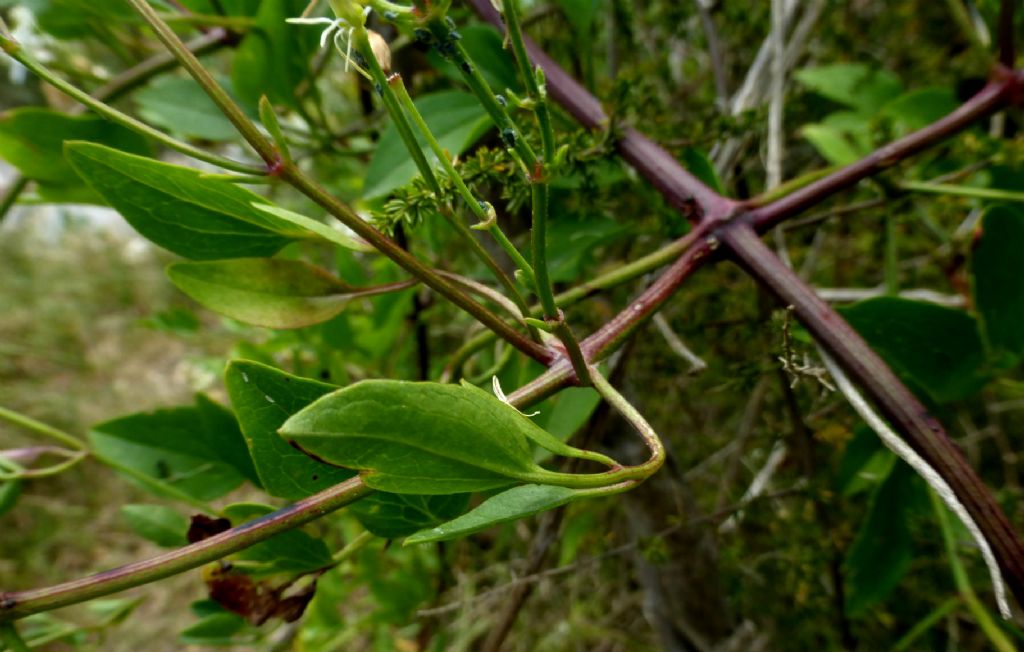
[(18, 604), (695, 200), (895, 401), (990, 99), (683, 190)]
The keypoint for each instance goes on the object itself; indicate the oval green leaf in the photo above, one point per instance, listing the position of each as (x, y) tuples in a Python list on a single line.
[(938, 349), (455, 118), (423, 438), (391, 516), (510, 505), (264, 398), (264, 291), (997, 270), (32, 140), (168, 452), (882, 551), (178, 208), (157, 523), (316, 228)]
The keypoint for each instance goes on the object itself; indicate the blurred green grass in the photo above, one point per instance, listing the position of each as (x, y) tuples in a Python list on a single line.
[(77, 345)]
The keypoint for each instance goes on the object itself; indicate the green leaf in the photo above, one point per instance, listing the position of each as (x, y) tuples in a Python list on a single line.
[(699, 165), (267, 291), (571, 244), (216, 629), (510, 505), (178, 208), (919, 108), (264, 398), (69, 19), (856, 85), (157, 523), (831, 143), (485, 49), (180, 105), (320, 229), (391, 516), (291, 552), (572, 408), (9, 494), (423, 438), (865, 464), (457, 121), (581, 15), (173, 452), (997, 271), (32, 140), (556, 445), (273, 58), (937, 348), (224, 435), (882, 551)]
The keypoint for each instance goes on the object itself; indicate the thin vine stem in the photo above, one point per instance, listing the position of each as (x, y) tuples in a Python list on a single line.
[(540, 172), (633, 416), (73, 459), (401, 108), (41, 428), (119, 86), (477, 207), (536, 172), (298, 179), (18, 604), (19, 54)]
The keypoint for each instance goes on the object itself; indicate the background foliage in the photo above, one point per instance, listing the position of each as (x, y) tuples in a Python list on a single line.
[(779, 522)]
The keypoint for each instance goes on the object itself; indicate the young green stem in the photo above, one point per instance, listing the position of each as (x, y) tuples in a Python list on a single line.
[(298, 179), (617, 276), (633, 416), (190, 63), (537, 94), (474, 205), (452, 48), (18, 54), (352, 547), (619, 478), (43, 429), (572, 347), (540, 170), (17, 473), (394, 101)]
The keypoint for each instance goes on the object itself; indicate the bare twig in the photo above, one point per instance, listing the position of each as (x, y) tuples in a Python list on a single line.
[(776, 107), (677, 346), (715, 53)]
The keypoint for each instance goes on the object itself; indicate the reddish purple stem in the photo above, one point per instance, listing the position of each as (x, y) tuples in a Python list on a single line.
[(737, 231)]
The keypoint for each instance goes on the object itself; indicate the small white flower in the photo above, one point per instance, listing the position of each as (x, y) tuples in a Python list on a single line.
[(339, 31)]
